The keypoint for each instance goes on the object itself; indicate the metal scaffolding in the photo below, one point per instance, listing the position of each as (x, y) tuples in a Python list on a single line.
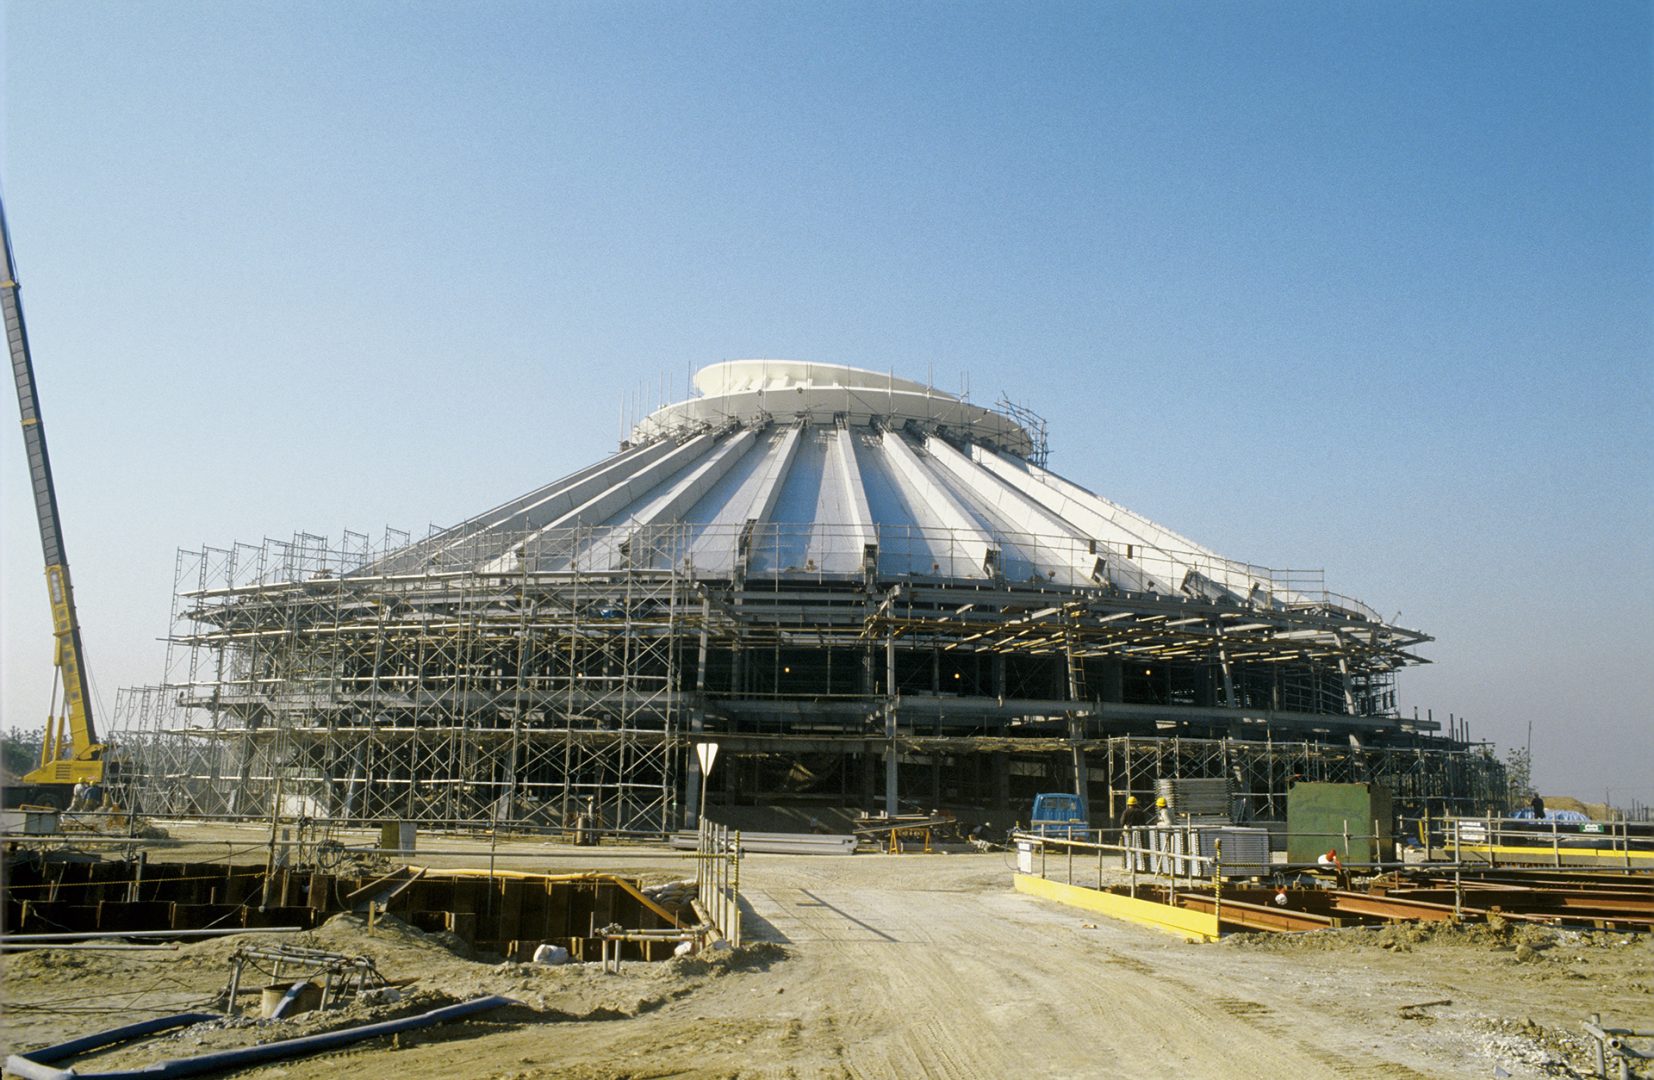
[(438, 696), (532, 678)]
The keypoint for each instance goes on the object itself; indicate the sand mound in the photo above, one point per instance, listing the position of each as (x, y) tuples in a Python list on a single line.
[(1495, 933)]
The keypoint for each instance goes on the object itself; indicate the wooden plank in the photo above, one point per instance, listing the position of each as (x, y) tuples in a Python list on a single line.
[(464, 925), (532, 920), (301, 915), (636, 893), (202, 916), (385, 889), (45, 916), (319, 893), (144, 915), (557, 911), (510, 908)]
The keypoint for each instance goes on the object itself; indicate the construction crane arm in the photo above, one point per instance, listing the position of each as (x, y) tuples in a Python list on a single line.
[(66, 756)]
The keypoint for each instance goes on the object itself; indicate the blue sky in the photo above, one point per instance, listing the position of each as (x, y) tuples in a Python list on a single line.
[(1361, 287)]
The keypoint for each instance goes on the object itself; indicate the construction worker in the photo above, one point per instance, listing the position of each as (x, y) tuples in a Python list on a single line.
[(1162, 812), (1329, 863), (1131, 825)]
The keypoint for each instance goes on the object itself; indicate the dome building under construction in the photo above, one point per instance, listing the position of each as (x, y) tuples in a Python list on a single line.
[(871, 594)]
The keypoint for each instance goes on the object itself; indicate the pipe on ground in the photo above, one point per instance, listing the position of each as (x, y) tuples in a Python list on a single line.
[(36, 1065), (98, 935)]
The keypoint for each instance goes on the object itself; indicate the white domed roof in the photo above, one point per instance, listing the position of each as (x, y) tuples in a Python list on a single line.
[(820, 471)]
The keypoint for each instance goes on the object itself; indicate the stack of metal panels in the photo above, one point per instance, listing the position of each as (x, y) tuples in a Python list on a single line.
[(1204, 800), (1157, 847), (1245, 851), (782, 843)]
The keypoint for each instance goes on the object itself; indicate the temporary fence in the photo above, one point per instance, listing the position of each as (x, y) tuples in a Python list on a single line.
[(718, 879)]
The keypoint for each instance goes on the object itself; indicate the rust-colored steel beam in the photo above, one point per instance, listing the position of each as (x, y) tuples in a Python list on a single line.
[(1389, 907), (1536, 901), (1245, 916), (1635, 881), (1392, 907)]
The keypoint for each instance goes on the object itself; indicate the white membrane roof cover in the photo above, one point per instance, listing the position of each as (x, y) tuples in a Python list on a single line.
[(783, 467)]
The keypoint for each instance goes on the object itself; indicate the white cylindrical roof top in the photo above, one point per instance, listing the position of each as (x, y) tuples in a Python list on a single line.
[(736, 376), (752, 391)]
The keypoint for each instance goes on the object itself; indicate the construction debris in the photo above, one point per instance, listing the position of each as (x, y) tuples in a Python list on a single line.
[(343, 977)]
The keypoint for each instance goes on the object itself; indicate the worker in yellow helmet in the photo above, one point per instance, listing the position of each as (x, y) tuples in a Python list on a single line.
[(1162, 812), (1131, 829)]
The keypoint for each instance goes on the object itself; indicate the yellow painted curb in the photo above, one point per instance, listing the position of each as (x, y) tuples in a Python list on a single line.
[(1570, 856), (1188, 925)]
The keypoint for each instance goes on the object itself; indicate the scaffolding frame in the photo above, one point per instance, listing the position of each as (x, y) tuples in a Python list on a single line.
[(473, 679), (439, 697)]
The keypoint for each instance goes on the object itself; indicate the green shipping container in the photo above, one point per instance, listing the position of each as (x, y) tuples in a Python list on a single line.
[(1317, 816)]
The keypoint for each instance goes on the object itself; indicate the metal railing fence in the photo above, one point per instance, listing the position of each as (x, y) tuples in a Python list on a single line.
[(1522, 841), (718, 878)]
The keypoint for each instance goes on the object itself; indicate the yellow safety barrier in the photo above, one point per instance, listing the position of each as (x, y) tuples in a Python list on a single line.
[(1571, 856), (1188, 925)]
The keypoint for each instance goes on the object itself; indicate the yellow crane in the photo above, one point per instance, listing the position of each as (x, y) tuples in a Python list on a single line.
[(71, 752)]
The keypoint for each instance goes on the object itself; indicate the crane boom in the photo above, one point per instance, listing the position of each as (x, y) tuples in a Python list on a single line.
[(75, 754)]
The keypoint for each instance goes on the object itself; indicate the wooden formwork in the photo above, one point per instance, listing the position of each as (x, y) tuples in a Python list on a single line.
[(508, 913)]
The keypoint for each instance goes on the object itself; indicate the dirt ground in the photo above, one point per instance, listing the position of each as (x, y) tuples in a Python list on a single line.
[(909, 966)]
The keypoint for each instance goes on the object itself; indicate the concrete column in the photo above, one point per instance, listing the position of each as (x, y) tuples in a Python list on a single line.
[(1205, 696), (1113, 810), (1082, 776), (692, 773), (697, 725), (890, 761), (890, 726), (1227, 697), (1113, 673)]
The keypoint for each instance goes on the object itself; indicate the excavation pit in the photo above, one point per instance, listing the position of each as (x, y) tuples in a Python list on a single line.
[(507, 913)]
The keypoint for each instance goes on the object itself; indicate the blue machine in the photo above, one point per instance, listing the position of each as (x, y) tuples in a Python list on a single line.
[(1059, 813)]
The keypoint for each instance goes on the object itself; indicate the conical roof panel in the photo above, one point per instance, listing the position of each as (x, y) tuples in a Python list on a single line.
[(795, 469)]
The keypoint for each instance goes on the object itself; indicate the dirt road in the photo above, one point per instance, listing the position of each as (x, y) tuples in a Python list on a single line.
[(932, 966)]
